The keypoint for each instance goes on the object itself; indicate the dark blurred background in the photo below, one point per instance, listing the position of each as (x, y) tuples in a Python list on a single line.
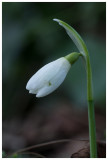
[(30, 40)]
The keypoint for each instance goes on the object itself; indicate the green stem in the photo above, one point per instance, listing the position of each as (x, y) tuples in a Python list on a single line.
[(92, 130), (91, 112)]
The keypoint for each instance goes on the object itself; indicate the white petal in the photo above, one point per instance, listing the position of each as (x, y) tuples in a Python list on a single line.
[(33, 91), (49, 77), (42, 76), (43, 91), (55, 82)]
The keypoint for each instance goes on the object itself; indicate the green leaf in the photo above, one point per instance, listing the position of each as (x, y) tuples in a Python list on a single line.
[(74, 36)]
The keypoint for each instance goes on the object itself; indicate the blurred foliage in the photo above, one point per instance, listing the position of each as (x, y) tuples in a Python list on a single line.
[(3, 154), (25, 155), (31, 39)]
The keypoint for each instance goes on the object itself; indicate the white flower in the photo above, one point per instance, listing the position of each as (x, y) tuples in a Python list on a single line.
[(49, 77)]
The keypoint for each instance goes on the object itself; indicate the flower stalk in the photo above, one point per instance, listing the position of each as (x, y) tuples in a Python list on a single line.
[(91, 113)]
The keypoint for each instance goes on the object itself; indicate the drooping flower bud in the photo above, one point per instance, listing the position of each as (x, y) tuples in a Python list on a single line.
[(50, 77)]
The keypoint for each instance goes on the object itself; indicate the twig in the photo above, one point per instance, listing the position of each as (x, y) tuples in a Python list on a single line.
[(46, 144)]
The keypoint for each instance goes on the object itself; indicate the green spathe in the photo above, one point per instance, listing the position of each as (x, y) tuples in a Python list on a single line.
[(72, 57)]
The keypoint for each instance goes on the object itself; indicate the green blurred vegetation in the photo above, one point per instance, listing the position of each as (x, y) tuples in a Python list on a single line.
[(31, 39)]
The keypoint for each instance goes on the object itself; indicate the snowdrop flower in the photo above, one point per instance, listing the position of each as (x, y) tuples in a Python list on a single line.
[(50, 77)]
